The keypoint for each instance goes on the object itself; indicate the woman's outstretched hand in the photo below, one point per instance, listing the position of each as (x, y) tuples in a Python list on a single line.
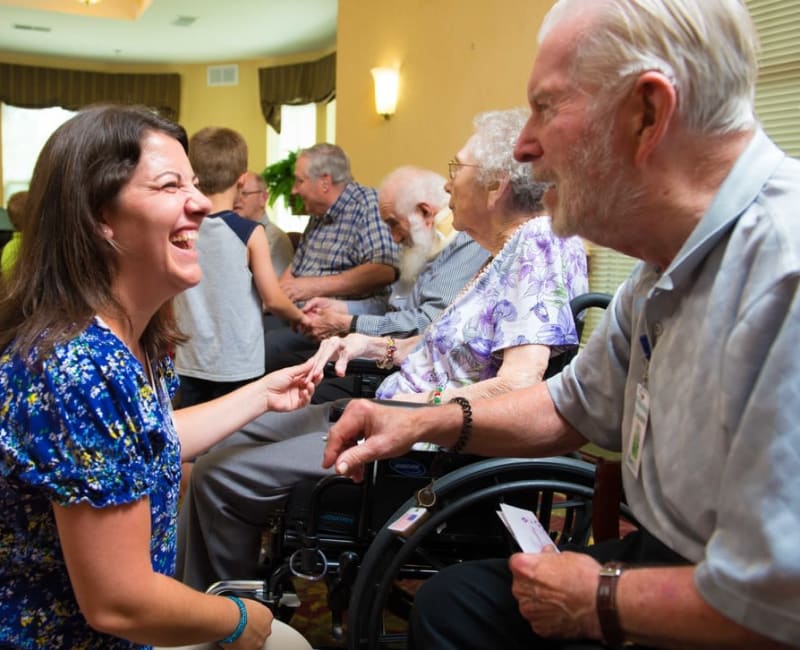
[(291, 388)]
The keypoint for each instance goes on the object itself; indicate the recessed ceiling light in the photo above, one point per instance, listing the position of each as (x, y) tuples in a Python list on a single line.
[(89, 2)]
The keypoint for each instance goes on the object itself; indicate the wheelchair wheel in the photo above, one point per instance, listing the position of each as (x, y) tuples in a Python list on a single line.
[(463, 526)]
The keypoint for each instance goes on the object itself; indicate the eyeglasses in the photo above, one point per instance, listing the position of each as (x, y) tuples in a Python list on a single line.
[(454, 165), (249, 192)]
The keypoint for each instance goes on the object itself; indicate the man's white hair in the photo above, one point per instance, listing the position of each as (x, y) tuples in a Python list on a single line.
[(409, 186), (707, 48)]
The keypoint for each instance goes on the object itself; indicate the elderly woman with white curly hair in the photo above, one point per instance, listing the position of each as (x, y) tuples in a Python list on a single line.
[(497, 335)]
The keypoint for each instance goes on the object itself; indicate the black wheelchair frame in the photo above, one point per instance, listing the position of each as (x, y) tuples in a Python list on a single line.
[(337, 531)]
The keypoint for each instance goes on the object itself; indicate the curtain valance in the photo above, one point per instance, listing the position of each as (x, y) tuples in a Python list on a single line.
[(299, 83), (37, 87)]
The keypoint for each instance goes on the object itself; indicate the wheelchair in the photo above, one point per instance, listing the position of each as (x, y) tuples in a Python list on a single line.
[(336, 531)]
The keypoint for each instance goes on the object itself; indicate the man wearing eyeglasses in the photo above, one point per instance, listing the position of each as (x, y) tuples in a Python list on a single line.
[(250, 203)]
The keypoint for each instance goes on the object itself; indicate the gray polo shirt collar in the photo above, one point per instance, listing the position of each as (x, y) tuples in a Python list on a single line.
[(757, 163)]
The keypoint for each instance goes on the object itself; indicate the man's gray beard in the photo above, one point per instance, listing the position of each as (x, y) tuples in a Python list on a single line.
[(413, 258)]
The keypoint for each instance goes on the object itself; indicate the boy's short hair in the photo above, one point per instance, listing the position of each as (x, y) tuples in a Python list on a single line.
[(219, 157)]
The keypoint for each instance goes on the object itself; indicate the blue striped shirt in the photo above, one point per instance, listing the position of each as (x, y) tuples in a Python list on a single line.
[(436, 287)]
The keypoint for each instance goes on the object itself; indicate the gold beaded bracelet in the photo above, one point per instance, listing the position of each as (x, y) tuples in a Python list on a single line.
[(388, 358)]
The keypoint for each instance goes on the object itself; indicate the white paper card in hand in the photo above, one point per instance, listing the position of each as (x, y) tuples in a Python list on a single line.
[(525, 527)]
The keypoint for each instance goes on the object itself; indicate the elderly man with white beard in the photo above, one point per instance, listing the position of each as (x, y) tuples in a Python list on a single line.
[(433, 269)]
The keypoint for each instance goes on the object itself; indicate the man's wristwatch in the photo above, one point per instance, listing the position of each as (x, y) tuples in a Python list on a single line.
[(607, 604)]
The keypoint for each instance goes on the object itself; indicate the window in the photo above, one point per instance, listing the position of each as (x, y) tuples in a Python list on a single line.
[(778, 88), (25, 130), (300, 126)]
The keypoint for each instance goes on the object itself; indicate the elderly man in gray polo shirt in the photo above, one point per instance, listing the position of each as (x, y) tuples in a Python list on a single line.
[(643, 121)]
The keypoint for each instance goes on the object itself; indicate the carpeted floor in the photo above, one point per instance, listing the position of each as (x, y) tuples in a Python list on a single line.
[(313, 618)]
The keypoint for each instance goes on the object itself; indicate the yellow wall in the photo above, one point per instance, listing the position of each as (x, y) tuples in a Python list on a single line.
[(456, 58)]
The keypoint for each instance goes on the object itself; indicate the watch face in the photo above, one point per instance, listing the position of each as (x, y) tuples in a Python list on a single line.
[(611, 569)]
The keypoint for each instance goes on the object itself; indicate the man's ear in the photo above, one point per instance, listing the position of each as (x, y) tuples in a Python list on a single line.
[(651, 107), (427, 212)]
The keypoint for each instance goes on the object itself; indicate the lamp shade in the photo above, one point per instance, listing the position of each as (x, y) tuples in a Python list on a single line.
[(386, 83)]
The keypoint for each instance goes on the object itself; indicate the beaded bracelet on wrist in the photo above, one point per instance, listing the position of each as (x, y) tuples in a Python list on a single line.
[(466, 424), (435, 396), (388, 357)]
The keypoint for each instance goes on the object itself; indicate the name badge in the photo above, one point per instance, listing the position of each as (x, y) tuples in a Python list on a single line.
[(641, 413)]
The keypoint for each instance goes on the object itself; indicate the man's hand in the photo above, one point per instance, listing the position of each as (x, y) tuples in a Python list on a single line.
[(387, 431), (325, 303), (556, 593), (296, 288), (303, 326), (324, 323)]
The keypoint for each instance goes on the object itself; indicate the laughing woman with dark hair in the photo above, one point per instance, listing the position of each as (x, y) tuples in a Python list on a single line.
[(89, 446)]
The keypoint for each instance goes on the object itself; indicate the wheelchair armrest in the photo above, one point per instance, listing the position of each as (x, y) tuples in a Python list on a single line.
[(338, 407), (588, 300), (359, 367)]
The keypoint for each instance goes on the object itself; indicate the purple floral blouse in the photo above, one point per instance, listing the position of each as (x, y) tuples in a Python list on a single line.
[(521, 298), (83, 427)]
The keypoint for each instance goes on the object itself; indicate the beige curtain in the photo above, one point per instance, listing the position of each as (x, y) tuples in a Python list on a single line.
[(36, 87), (300, 83)]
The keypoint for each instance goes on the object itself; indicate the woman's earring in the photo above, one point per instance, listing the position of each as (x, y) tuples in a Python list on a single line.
[(108, 235)]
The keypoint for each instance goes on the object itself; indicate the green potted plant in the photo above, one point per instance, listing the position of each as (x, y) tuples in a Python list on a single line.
[(279, 177)]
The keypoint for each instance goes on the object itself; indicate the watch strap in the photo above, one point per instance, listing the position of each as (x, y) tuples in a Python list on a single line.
[(607, 604)]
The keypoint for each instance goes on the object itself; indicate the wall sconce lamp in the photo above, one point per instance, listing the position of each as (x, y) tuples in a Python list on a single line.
[(386, 83)]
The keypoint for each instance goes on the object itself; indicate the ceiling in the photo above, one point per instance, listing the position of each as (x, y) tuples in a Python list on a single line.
[(167, 31)]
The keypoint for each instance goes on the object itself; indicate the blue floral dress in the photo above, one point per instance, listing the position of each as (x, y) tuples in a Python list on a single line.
[(521, 298), (82, 426)]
